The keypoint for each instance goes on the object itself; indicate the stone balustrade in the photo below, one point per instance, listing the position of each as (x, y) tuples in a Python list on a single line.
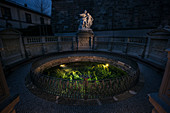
[(133, 46), (147, 47)]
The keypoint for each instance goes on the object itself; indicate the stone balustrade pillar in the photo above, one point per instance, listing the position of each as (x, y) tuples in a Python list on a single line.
[(43, 45), (147, 48), (3, 84), (161, 100), (164, 91)]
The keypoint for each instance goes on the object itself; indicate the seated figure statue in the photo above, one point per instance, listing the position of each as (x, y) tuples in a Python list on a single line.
[(85, 21)]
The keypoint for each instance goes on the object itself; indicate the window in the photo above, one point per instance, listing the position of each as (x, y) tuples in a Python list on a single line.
[(28, 18), (42, 20), (6, 12)]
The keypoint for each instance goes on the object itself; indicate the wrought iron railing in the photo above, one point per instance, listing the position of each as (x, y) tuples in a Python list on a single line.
[(84, 89)]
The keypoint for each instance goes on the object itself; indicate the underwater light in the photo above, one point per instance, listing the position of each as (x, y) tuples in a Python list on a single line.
[(107, 65), (62, 65)]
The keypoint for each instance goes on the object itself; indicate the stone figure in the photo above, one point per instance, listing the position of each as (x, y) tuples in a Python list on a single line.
[(89, 20), (85, 21)]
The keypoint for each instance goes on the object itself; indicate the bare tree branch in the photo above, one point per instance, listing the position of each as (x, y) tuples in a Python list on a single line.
[(42, 5)]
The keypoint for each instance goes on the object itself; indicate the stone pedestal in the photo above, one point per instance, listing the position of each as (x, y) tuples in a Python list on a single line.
[(161, 100), (7, 102), (85, 39)]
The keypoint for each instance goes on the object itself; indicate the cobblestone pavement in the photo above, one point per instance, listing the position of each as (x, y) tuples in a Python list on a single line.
[(30, 103)]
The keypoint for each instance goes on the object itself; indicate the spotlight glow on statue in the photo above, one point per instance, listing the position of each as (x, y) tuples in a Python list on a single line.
[(86, 21)]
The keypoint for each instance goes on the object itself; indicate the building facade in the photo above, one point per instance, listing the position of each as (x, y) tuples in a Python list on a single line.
[(17, 16), (110, 14)]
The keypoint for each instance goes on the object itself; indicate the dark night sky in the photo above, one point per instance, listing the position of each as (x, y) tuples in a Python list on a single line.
[(32, 4)]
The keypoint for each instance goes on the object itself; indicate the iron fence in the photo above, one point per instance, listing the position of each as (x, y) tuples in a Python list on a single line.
[(84, 89)]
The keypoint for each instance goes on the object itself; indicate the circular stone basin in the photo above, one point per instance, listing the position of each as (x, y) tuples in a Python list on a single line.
[(84, 77)]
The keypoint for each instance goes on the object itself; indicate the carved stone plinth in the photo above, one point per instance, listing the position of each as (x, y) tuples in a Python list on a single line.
[(85, 39)]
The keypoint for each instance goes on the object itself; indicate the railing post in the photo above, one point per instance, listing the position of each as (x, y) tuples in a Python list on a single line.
[(85, 87), (144, 49), (58, 43), (43, 46)]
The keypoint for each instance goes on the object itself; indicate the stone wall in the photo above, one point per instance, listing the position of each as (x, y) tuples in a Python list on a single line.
[(110, 14)]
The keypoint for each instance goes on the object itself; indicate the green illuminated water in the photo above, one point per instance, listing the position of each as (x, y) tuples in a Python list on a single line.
[(82, 70)]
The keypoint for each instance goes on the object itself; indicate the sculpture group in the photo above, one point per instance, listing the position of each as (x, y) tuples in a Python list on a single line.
[(85, 21)]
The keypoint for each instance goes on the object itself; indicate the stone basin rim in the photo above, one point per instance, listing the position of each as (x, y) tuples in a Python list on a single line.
[(108, 87), (39, 65)]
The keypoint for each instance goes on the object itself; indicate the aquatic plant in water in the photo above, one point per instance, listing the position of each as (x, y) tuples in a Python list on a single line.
[(82, 70)]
